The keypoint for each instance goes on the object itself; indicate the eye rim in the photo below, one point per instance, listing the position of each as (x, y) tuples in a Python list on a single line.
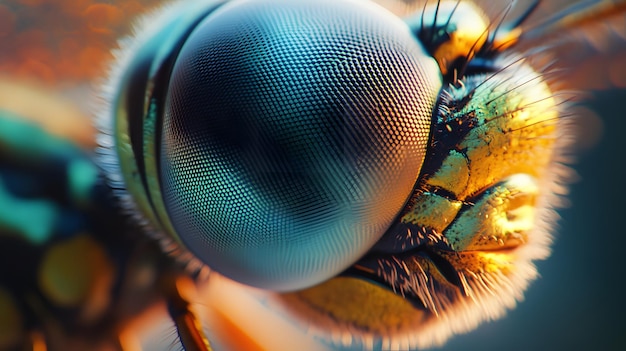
[(149, 58)]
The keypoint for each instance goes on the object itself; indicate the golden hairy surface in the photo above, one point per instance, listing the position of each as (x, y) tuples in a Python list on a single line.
[(433, 211), (342, 299), (500, 219), (513, 132)]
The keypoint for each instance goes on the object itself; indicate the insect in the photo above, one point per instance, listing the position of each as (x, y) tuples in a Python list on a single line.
[(431, 207)]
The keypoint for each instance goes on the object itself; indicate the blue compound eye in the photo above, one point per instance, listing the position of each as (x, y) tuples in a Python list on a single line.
[(287, 138)]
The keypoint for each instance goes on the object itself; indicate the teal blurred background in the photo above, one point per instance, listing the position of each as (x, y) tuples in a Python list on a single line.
[(578, 303)]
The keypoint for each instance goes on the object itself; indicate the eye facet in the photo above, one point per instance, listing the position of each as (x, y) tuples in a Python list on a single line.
[(287, 136)]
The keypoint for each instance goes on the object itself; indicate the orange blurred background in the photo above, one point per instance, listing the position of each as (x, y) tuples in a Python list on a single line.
[(53, 41), (54, 55)]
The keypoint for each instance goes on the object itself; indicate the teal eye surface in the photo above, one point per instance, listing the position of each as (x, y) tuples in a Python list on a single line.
[(286, 136)]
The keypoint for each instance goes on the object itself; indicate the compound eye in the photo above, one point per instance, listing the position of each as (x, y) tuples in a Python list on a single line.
[(293, 134)]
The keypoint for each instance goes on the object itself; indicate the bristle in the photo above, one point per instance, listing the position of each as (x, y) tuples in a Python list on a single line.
[(107, 157)]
